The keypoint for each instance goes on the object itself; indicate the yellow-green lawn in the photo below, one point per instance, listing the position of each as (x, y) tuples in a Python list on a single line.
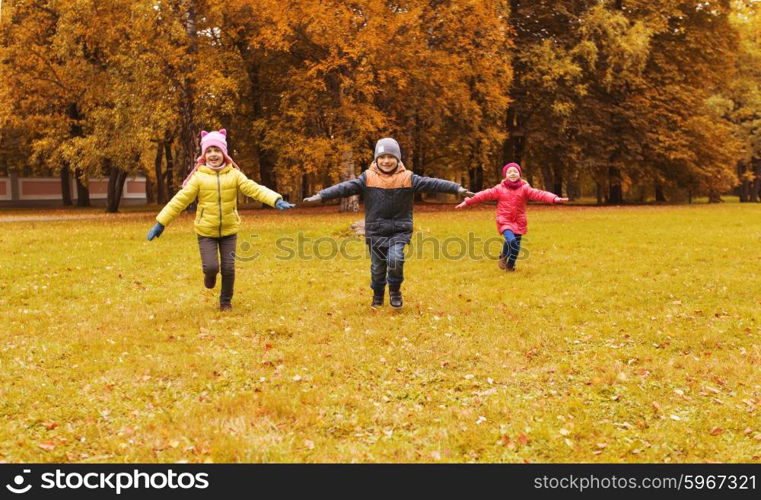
[(627, 335)]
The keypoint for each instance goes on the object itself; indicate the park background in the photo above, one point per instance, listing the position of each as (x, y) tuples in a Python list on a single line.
[(611, 101), (630, 332)]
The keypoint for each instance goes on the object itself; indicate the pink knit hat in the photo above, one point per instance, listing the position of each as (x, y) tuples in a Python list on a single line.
[(208, 139), (504, 169), (218, 139)]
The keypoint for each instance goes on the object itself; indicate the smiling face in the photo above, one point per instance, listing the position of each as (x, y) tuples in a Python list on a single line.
[(512, 174), (387, 163), (214, 157)]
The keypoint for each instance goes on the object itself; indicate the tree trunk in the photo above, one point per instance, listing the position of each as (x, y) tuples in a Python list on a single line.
[(187, 127), (714, 197), (75, 130), (659, 196), (350, 204), (169, 168), (150, 194), (83, 194), (755, 192), (116, 179), (476, 178), (160, 193), (600, 193), (514, 145), (66, 187), (265, 157), (557, 186), (305, 186), (615, 190), (418, 160), (573, 189)]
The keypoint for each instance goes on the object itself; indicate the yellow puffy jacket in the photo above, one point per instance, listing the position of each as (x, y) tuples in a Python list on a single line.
[(217, 192)]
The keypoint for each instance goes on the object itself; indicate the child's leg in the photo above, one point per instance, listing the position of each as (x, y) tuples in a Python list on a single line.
[(515, 248), (395, 266), (378, 266), (209, 260), (509, 237), (227, 255)]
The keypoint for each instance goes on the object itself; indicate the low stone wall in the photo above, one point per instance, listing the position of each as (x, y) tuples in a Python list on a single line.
[(46, 191)]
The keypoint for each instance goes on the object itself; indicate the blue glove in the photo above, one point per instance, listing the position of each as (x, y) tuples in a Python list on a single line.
[(156, 231), (283, 205)]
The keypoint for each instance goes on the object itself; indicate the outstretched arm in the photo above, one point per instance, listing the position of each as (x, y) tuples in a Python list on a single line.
[(481, 196), (257, 191), (544, 196), (434, 185), (342, 190), (178, 203)]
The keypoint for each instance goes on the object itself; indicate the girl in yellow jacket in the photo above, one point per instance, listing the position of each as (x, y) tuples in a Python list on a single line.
[(216, 181)]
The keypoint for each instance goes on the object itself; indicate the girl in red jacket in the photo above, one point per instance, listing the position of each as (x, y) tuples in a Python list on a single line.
[(511, 196)]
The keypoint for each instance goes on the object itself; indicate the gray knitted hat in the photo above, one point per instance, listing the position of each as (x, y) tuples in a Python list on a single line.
[(387, 146)]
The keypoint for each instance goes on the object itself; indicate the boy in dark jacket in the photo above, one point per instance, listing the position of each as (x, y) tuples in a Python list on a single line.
[(388, 190)]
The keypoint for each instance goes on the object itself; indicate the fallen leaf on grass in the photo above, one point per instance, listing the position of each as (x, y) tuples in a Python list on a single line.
[(715, 431), (50, 425), (47, 445)]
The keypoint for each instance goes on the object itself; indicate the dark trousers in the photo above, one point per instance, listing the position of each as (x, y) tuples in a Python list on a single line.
[(212, 251), (512, 247), (386, 266)]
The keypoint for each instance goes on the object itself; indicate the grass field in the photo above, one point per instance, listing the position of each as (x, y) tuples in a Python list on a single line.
[(627, 335)]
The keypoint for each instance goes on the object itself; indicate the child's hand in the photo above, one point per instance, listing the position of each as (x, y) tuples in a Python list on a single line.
[(560, 200), (283, 205), (463, 204), (312, 199), (464, 192), (155, 231)]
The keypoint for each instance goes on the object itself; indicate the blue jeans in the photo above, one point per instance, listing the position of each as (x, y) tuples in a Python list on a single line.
[(512, 247), (386, 266)]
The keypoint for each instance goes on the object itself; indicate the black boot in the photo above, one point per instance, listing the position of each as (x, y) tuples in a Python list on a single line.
[(209, 280), (395, 297), (378, 297)]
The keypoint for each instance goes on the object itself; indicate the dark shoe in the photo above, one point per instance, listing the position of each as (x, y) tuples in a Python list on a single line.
[(395, 298), (510, 267), (377, 300), (502, 262), (225, 307), (209, 280)]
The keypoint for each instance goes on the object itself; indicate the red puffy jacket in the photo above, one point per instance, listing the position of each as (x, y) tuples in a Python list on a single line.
[(511, 204)]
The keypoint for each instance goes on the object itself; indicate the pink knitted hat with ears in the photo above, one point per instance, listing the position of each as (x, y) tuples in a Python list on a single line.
[(218, 139), (504, 169), (208, 139)]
